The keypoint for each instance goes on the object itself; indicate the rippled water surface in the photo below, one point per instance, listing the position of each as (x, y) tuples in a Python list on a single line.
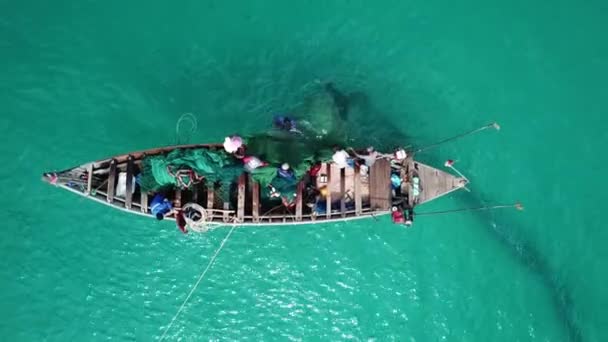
[(83, 80)]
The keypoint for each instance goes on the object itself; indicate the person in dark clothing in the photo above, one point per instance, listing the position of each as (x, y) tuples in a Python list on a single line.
[(409, 215), (400, 215), (160, 206), (284, 123)]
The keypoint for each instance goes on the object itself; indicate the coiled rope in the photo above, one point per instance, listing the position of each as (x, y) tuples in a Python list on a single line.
[(186, 117)]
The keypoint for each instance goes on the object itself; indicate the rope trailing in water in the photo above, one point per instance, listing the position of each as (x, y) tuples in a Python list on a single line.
[(462, 135), (193, 126), (517, 206), (200, 278)]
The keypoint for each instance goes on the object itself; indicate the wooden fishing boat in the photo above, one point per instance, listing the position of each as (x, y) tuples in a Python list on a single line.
[(352, 193)]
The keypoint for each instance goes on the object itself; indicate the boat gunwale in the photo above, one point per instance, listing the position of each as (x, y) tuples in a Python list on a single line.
[(247, 220), (263, 219)]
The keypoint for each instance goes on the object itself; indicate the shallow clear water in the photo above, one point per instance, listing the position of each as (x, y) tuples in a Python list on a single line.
[(86, 80)]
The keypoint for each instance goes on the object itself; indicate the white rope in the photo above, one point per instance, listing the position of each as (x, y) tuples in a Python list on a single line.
[(199, 225), (200, 278), (193, 126)]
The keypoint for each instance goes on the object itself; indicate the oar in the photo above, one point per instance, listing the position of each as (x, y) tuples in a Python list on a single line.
[(462, 135), (517, 206)]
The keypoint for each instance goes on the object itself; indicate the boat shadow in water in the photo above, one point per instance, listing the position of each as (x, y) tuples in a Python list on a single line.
[(350, 115), (361, 111)]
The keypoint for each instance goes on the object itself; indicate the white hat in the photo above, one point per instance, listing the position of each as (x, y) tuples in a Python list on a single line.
[(340, 158), (285, 166), (400, 154), (232, 144)]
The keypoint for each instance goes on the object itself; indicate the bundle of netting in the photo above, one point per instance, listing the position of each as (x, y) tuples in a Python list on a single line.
[(185, 167), (278, 148)]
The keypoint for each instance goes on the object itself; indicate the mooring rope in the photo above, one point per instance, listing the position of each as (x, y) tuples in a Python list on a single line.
[(200, 278), (462, 135), (517, 206)]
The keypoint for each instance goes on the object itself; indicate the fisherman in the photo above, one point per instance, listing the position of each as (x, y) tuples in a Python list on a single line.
[(252, 163), (234, 145), (409, 215), (311, 195), (342, 159), (370, 158), (403, 216), (400, 154), (160, 206), (286, 172), (285, 123)]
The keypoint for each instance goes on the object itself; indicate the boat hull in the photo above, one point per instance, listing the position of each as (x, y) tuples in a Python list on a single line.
[(352, 193)]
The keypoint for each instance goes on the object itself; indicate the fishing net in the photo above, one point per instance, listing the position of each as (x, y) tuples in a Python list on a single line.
[(300, 152), (185, 167)]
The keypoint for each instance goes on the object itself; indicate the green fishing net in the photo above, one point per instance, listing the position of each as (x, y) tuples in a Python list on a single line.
[(215, 166)]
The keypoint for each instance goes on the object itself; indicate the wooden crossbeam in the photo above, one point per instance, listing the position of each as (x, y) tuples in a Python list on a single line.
[(343, 192), (240, 213), (129, 191), (210, 201), (328, 197), (255, 199), (144, 202), (111, 182), (210, 197), (226, 213), (178, 199), (357, 190), (299, 195), (89, 178)]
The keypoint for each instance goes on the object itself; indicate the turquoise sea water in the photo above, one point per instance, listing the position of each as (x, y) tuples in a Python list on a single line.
[(89, 79)]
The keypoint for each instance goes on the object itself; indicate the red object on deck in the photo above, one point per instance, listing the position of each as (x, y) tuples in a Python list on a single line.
[(397, 216), (314, 170), (181, 221)]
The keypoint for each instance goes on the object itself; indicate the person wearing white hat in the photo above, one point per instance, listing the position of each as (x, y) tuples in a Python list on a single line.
[(400, 154), (340, 158), (233, 143), (372, 155), (286, 172)]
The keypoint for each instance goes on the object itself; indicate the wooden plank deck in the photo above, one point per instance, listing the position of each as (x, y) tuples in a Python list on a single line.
[(380, 185), (434, 182), (241, 197), (111, 182), (129, 190)]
